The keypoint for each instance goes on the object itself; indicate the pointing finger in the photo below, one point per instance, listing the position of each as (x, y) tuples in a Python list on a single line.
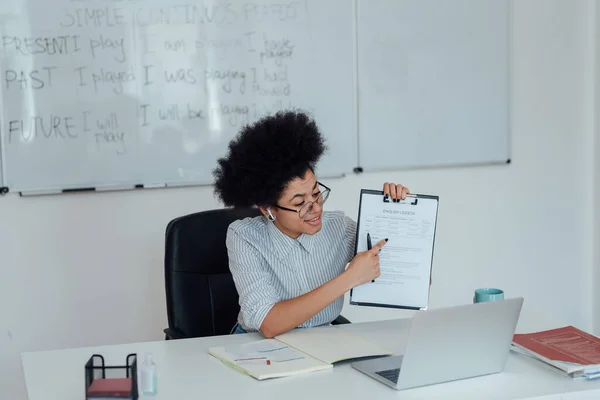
[(377, 247)]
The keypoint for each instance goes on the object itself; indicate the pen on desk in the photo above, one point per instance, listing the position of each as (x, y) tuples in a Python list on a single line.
[(369, 246), (254, 359)]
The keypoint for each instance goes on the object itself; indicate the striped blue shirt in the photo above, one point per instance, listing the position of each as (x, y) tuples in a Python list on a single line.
[(269, 266)]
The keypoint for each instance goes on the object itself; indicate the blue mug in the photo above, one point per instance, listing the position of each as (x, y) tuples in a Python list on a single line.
[(488, 294)]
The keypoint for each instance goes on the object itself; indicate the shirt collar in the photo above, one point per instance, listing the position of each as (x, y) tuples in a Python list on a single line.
[(284, 244)]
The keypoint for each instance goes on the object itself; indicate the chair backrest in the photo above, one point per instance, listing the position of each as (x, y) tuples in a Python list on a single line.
[(200, 293)]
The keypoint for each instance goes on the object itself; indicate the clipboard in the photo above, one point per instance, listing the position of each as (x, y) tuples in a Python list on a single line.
[(406, 261)]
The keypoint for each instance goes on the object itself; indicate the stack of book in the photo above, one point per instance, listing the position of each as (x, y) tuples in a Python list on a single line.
[(575, 352)]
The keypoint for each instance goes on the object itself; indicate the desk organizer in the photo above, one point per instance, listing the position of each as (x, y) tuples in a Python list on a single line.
[(111, 381)]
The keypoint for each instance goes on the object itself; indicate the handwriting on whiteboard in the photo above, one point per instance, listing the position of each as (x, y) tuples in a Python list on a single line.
[(196, 67)]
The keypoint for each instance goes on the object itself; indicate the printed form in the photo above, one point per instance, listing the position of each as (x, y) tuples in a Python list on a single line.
[(406, 259)]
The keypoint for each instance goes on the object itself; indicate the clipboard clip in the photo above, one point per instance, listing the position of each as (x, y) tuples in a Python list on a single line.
[(411, 199)]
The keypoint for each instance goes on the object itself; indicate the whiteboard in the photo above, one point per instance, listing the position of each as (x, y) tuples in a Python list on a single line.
[(105, 94), (6, 8), (433, 78)]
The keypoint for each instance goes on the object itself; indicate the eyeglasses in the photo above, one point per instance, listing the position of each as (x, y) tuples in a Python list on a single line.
[(308, 207)]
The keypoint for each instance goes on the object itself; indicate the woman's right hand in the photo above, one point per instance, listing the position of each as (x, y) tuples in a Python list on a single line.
[(364, 267)]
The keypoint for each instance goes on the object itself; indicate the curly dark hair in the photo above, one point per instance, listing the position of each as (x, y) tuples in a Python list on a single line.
[(265, 157)]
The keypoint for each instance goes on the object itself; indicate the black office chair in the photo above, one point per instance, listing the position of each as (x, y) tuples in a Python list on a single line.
[(200, 293)]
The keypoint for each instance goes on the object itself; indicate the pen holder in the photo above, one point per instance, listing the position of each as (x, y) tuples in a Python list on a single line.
[(111, 381)]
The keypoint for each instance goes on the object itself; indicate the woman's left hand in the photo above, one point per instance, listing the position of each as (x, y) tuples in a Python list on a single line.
[(395, 191)]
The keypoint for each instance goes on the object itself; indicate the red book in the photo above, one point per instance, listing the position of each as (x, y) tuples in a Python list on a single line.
[(113, 387), (562, 346)]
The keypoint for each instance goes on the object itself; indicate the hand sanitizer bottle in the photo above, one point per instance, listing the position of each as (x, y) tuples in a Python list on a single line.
[(148, 376)]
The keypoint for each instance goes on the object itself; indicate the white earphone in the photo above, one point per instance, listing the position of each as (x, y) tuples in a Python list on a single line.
[(271, 217)]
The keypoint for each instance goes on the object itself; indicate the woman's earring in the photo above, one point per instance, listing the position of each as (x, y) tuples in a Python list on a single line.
[(271, 217)]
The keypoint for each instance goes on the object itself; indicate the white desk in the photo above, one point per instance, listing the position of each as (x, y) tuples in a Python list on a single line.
[(187, 371)]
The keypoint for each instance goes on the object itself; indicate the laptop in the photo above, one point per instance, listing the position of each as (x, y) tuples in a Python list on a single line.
[(449, 344)]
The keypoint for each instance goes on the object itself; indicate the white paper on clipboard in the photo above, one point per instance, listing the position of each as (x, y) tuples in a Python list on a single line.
[(406, 260)]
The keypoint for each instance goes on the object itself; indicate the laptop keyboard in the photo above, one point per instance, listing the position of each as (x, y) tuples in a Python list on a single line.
[(390, 374)]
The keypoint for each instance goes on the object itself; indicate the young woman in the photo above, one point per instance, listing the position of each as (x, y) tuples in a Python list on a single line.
[(293, 265)]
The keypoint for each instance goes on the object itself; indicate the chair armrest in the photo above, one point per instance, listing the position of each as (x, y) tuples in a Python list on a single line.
[(340, 320), (174, 333)]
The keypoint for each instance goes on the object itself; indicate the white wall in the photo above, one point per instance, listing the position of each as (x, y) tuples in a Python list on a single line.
[(590, 158), (524, 227), (596, 178)]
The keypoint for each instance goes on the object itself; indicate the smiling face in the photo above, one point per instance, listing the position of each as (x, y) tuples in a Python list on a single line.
[(297, 194)]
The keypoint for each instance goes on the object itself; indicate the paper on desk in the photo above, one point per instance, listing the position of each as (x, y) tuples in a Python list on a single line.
[(331, 344), (267, 349), (284, 360)]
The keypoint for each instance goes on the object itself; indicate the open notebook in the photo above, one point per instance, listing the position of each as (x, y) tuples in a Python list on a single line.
[(296, 352)]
